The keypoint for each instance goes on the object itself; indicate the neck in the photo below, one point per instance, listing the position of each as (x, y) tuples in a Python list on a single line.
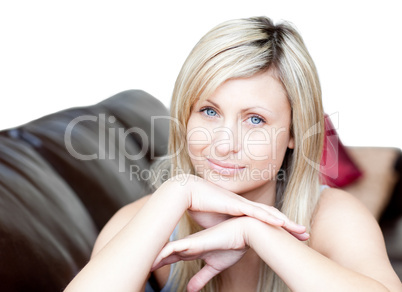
[(244, 275), (265, 194)]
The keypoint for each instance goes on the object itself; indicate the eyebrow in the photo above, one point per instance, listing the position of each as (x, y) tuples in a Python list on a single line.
[(215, 104), (246, 109)]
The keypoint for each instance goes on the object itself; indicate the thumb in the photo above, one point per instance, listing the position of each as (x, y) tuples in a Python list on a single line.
[(199, 280)]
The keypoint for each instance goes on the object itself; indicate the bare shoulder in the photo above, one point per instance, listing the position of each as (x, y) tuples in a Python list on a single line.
[(342, 205), (117, 222), (345, 231), (337, 214)]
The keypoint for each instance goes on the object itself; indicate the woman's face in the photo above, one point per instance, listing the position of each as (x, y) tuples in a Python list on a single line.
[(237, 138)]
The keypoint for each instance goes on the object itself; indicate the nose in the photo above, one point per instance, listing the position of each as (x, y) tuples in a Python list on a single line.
[(226, 141)]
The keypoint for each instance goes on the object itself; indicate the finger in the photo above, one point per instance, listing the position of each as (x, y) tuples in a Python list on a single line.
[(168, 253), (160, 262), (175, 247), (294, 227), (282, 219), (273, 216), (302, 237), (182, 249), (289, 225), (261, 213), (176, 251), (199, 280)]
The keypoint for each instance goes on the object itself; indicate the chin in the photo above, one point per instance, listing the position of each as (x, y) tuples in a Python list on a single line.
[(236, 184)]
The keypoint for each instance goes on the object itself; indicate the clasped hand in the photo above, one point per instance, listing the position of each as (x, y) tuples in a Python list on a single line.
[(226, 218)]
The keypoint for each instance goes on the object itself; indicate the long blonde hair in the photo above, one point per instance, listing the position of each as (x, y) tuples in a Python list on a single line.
[(242, 48)]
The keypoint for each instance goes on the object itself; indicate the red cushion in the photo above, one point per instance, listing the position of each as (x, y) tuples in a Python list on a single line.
[(337, 167)]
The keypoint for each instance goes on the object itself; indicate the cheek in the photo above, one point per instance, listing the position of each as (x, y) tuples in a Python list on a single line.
[(197, 138), (266, 145), (266, 154), (256, 144)]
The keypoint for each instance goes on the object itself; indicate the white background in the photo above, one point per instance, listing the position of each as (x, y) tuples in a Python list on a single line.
[(61, 54)]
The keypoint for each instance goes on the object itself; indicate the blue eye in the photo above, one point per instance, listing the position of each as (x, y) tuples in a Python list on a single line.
[(256, 120), (209, 112)]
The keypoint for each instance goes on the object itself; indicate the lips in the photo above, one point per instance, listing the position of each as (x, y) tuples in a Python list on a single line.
[(224, 167)]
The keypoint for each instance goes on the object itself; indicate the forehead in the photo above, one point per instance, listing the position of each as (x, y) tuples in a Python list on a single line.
[(261, 90)]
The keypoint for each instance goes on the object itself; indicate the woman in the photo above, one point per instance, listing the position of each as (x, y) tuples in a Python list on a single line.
[(244, 209)]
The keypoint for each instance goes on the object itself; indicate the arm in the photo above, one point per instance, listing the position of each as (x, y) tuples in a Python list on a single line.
[(124, 262), (347, 251), (122, 258)]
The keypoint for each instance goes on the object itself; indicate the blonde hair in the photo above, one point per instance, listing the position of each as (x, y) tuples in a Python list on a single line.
[(242, 48)]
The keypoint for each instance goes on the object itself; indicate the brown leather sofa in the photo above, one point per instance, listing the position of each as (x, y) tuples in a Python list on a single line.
[(63, 176), (52, 204)]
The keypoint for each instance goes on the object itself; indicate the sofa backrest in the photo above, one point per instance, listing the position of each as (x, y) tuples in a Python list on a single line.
[(61, 179)]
